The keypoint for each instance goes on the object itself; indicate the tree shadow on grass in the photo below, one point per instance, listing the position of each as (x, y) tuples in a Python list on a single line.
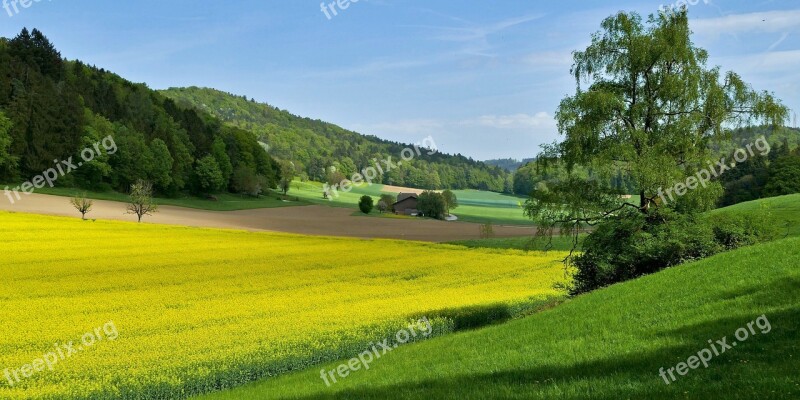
[(763, 367)]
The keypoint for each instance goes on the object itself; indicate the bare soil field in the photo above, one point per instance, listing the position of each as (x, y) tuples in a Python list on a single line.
[(307, 220), (400, 189)]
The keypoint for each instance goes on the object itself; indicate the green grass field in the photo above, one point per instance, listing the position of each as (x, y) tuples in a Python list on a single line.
[(609, 344), (786, 209), (527, 243), (474, 205)]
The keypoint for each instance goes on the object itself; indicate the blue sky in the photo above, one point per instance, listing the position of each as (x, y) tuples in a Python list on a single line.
[(483, 78)]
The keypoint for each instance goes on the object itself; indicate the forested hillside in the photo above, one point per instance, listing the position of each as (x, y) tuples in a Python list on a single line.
[(315, 146), (51, 109), (774, 174)]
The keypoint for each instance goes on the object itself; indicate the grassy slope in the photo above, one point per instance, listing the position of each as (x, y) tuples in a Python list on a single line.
[(608, 344), (785, 208)]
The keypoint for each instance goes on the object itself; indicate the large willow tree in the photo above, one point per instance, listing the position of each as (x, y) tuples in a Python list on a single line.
[(645, 104)]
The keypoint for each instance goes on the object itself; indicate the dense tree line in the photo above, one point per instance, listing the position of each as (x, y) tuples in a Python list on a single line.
[(317, 148), (509, 164), (774, 174), (51, 108), (538, 173)]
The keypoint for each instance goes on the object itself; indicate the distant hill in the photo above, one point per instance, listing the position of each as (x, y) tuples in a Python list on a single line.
[(313, 146), (509, 164)]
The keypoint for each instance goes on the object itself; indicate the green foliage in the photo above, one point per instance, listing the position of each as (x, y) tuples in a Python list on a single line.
[(651, 108), (784, 176), (785, 210), (450, 201), (209, 176), (388, 200), (132, 160), (524, 243), (508, 164), (287, 175), (8, 162), (220, 154), (632, 244), (650, 112), (432, 205), (699, 200), (733, 230), (659, 143), (365, 204), (160, 167)]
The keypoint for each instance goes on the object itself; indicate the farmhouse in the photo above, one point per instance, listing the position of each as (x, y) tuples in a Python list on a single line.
[(406, 204)]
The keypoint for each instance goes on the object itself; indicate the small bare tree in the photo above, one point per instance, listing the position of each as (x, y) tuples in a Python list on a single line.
[(141, 202), (486, 230), (82, 204), (382, 207)]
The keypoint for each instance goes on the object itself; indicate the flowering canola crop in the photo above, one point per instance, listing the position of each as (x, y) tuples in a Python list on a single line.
[(199, 310)]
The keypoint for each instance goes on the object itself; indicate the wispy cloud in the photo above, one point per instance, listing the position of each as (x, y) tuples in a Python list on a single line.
[(769, 21), (370, 68), (561, 59), (476, 32), (474, 38), (514, 121), (778, 42)]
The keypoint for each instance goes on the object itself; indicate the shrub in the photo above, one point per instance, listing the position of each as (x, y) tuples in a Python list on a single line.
[(736, 230), (365, 204), (389, 200), (486, 231), (246, 181), (382, 207), (633, 244)]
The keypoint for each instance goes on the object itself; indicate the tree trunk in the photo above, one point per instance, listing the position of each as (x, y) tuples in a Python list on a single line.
[(644, 204)]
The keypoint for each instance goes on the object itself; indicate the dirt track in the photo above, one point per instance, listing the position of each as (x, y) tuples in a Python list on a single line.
[(309, 220)]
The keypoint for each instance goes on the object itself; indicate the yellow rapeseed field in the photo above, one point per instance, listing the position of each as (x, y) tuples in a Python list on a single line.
[(196, 310)]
